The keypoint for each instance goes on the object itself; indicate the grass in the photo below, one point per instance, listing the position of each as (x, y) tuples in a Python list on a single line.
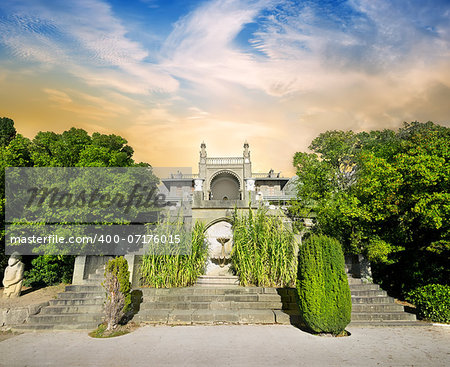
[(176, 266), (264, 250), (120, 330)]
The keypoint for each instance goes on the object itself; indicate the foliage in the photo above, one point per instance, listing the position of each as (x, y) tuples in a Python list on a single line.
[(72, 148), (102, 332), (118, 291), (49, 270), (324, 293), (432, 302), (263, 251), (7, 131), (176, 266), (383, 194)]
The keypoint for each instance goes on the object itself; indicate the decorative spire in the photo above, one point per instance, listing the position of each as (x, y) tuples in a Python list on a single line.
[(203, 150)]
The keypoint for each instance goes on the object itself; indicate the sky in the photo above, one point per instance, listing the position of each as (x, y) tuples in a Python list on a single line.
[(169, 74)]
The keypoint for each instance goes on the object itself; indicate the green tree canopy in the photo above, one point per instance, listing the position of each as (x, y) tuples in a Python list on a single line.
[(7, 131), (383, 193)]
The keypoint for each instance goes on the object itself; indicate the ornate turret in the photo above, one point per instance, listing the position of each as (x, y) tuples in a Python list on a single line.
[(203, 150), (247, 163), (202, 162), (246, 151)]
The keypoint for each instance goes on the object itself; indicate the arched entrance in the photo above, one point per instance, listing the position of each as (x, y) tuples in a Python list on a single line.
[(220, 240), (225, 186)]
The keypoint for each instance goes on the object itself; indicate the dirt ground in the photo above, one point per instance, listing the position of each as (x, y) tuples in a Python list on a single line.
[(30, 296)]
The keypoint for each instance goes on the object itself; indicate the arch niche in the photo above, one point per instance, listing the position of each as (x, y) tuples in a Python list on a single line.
[(218, 262), (225, 185)]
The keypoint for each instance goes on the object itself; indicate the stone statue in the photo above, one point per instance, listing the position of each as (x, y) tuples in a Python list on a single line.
[(13, 278), (250, 185), (198, 185)]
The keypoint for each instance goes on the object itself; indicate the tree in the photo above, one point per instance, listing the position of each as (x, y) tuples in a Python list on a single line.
[(7, 131), (72, 148), (384, 194)]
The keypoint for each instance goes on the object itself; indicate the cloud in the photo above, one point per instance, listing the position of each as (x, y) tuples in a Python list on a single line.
[(275, 72), (83, 38), (307, 47)]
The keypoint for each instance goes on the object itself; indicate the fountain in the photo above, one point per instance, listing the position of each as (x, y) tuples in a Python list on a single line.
[(223, 257)]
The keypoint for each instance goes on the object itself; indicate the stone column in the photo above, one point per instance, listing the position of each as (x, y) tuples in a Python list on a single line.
[(78, 270), (134, 262)]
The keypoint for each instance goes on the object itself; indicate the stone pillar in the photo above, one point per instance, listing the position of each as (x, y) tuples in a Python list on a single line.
[(78, 270), (365, 269), (134, 263)]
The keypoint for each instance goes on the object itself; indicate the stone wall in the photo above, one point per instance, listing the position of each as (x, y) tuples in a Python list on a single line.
[(19, 315)]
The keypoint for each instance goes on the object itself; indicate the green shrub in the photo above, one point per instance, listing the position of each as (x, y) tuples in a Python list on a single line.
[(3, 262), (50, 270), (264, 251), (322, 285), (176, 266), (118, 291), (432, 302)]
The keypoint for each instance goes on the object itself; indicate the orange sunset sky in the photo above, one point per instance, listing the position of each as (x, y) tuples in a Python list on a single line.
[(167, 75)]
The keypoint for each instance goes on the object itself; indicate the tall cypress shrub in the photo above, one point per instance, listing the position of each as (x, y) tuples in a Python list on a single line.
[(118, 291), (324, 293)]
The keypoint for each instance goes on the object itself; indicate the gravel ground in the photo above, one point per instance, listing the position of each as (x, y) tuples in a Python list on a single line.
[(229, 345)]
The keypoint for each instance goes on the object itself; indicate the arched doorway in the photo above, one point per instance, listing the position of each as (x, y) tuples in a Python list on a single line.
[(220, 240), (225, 186)]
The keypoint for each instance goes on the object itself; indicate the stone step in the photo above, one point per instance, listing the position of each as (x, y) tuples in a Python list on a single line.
[(72, 309), (91, 282), (84, 288), (385, 316), (368, 293), (208, 280), (188, 317), (214, 305), (352, 280), (87, 295), (76, 302), (66, 319), (381, 307), (371, 300), (388, 323), (213, 297), (196, 290), (55, 327), (364, 287)]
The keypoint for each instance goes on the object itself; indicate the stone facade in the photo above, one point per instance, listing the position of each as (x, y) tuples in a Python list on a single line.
[(221, 185)]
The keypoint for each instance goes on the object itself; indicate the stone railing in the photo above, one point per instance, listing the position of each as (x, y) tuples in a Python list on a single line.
[(278, 197), (267, 175), (183, 175), (224, 161)]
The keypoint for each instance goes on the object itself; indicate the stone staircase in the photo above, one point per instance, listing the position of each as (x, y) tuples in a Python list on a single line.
[(216, 304), (217, 281), (372, 306), (79, 307), (213, 300)]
